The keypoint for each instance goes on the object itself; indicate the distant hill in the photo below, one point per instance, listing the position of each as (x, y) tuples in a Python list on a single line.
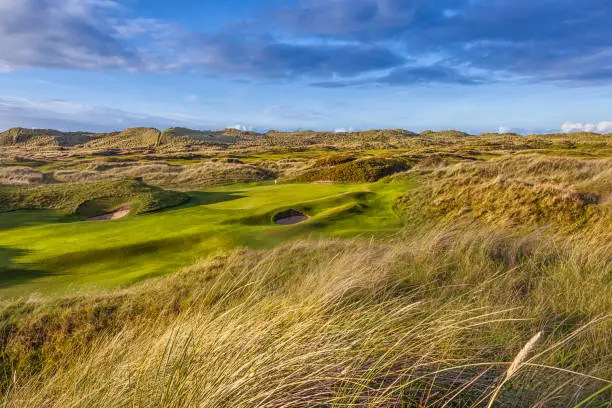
[(45, 137), (225, 136), (180, 137), (129, 138), (138, 137), (372, 138)]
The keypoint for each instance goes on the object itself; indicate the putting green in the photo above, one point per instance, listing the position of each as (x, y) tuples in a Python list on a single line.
[(43, 252)]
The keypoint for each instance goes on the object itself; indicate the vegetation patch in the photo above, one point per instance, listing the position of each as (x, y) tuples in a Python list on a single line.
[(19, 175), (130, 138), (204, 174), (360, 171), (333, 160), (526, 190), (44, 138), (405, 317), (89, 199)]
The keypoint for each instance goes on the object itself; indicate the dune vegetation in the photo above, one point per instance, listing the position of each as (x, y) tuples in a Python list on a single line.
[(438, 269)]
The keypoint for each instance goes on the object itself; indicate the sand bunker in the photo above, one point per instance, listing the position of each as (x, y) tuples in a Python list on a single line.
[(118, 213), (290, 217)]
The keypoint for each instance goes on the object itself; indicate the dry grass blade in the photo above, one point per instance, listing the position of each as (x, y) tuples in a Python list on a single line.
[(515, 366)]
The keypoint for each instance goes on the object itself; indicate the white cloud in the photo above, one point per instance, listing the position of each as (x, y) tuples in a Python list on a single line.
[(503, 129), (344, 130), (601, 127), (60, 34), (191, 98), (241, 127), (66, 115)]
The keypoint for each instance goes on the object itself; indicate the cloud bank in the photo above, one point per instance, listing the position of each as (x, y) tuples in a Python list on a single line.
[(601, 127), (330, 43), (66, 115)]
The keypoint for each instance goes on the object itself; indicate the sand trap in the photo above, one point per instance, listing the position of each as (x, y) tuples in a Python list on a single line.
[(290, 217), (118, 213)]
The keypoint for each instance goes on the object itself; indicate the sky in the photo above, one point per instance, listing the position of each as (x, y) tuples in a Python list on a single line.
[(473, 65)]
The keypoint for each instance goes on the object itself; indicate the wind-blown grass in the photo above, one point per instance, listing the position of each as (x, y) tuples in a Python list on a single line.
[(205, 174), (528, 191), (475, 272), (430, 320)]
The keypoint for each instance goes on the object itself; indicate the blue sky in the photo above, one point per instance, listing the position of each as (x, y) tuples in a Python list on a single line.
[(474, 65)]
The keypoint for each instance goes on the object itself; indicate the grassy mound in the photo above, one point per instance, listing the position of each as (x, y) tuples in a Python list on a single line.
[(130, 138), (88, 199), (204, 174), (333, 160), (222, 137), (17, 175), (333, 323), (319, 209), (525, 190), (44, 137), (360, 171)]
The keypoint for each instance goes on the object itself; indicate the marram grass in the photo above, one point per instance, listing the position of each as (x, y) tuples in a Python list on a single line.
[(429, 321)]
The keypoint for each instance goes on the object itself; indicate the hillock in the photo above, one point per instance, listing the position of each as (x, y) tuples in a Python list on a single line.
[(359, 171), (88, 199), (130, 138), (45, 137)]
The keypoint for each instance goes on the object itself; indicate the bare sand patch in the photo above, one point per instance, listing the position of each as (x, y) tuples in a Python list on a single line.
[(290, 217), (118, 213)]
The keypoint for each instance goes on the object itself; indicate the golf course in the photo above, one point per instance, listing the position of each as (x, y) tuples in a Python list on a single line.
[(44, 252), (229, 268)]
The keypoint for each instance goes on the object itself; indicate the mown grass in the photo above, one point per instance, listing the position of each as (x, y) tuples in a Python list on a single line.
[(73, 255)]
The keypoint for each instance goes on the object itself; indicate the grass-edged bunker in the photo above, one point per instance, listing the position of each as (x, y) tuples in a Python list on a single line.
[(114, 215), (290, 217)]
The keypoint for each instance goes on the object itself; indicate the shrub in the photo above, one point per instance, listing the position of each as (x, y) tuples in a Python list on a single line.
[(334, 160), (360, 171)]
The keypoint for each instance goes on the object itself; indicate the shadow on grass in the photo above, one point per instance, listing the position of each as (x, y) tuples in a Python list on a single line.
[(123, 253), (30, 218), (12, 273), (198, 198)]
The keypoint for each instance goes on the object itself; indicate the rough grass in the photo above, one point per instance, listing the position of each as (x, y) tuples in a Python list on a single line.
[(88, 199), (204, 174), (333, 160), (19, 175), (44, 137), (528, 191), (360, 171), (431, 319), (500, 239), (129, 138)]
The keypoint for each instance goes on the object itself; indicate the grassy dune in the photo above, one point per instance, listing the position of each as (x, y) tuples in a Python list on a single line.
[(453, 271), (432, 319)]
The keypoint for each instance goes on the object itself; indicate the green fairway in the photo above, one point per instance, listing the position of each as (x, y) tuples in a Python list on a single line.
[(44, 252)]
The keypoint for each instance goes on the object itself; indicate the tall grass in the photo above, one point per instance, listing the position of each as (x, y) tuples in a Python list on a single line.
[(526, 191), (432, 319), (205, 174)]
